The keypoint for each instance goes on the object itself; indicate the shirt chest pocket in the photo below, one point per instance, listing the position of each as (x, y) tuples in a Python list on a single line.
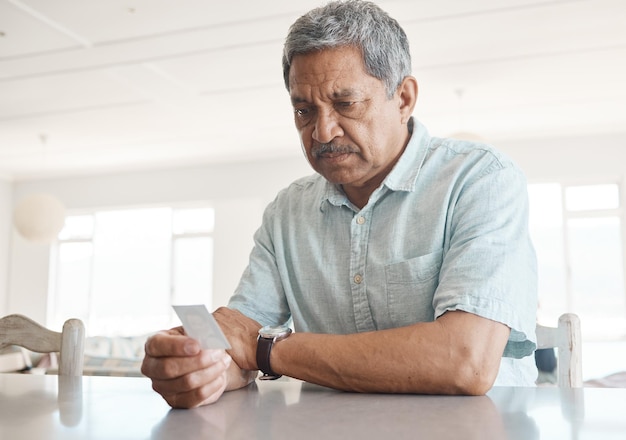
[(410, 286)]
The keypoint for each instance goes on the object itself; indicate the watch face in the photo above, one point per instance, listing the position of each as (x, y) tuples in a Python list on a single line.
[(271, 331)]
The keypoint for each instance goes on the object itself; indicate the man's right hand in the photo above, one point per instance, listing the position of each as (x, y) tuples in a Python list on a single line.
[(186, 376)]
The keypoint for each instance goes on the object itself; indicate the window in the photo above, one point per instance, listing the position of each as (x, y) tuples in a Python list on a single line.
[(120, 271), (577, 231)]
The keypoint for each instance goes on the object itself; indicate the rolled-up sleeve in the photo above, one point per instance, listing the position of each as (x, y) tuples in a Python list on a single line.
[(489, 267)]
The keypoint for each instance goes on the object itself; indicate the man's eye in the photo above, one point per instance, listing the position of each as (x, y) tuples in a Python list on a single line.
[(346, 107), (301, 112), (345, 104)]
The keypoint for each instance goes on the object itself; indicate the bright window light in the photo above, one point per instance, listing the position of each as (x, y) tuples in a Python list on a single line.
[(580, 256), (194, 220), (77, 227), (591, 197), (120, 271), (546, 209), (597, 275)]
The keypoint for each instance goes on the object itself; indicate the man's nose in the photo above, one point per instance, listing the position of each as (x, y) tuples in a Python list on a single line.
[(327, 127)]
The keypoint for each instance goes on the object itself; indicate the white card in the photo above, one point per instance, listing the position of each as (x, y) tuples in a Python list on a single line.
[(202, 326)]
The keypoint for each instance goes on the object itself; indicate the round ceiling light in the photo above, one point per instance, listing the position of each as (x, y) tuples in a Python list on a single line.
[(39, 217)]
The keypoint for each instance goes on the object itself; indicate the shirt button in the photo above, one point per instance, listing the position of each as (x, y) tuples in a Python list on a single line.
[(360, 220), (358, 278)]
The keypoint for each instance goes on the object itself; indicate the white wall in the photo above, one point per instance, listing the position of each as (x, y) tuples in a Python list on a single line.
[(239, 194), (573, 159), (6, 209)]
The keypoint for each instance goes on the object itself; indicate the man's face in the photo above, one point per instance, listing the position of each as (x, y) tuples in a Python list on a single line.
[(351, 132)]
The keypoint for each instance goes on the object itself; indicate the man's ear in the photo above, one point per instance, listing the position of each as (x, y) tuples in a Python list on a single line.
[(407, 94)]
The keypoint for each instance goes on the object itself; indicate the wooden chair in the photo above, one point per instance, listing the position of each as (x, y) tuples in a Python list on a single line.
[(70, 343), (566, 339)]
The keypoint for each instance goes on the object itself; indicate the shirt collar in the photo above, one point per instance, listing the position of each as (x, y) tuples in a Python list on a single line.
[(403, 175)]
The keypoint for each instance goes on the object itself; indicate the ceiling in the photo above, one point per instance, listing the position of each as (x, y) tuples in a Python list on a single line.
[(90, 86)]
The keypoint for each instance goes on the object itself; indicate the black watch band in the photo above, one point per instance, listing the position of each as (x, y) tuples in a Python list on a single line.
[(263, 351), (268, 336)]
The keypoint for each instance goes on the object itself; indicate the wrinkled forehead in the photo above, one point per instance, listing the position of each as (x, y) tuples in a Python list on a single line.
[(338, 72)]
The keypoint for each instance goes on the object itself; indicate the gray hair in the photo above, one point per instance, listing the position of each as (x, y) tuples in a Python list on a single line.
[(361, 24)]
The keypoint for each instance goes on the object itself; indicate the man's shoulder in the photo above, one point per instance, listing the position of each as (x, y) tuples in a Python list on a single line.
[(297, 198), (306, 185), (476, 158), (302, 190), (471, 149), (307, 182)]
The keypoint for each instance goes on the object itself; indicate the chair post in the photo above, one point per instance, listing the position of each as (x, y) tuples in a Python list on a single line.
[(72, 348), (570, 352)]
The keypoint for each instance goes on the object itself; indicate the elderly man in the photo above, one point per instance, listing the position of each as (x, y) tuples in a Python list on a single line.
[(404, 264)]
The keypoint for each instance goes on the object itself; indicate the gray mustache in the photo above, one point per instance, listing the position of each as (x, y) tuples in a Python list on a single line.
[(319, 149)]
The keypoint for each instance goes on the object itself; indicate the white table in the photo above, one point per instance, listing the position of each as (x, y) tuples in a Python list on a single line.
[(46, 407)]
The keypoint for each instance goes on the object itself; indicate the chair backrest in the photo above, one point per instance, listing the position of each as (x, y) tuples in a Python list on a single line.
[(70, 343), (566, 339)]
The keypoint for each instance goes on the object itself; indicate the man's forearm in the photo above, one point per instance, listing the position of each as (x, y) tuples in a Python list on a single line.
[(457, 354)]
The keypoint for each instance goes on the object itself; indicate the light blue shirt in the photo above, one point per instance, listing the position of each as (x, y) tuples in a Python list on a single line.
[(446, 230)]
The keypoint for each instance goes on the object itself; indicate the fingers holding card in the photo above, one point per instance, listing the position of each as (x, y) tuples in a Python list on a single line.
[(200, 325)]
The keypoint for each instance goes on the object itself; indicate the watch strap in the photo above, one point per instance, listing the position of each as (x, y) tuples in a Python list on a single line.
[(263, 351)]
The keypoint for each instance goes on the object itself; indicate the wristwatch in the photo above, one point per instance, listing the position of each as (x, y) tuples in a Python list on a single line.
[(269, 335)]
